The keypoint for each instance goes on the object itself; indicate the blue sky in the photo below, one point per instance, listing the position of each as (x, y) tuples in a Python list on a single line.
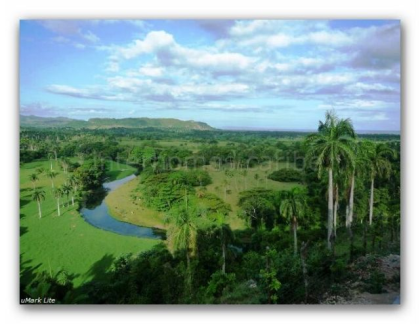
[(246, 74)]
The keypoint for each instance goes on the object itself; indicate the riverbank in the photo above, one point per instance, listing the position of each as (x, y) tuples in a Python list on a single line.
[(123, 206)]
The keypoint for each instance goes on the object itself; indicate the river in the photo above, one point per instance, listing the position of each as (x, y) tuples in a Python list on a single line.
[(101, 218)]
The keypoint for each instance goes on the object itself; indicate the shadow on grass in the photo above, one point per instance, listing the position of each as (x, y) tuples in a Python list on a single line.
[(99, 271), (23, 202), (23, 230), (27, 273), (56, 284)]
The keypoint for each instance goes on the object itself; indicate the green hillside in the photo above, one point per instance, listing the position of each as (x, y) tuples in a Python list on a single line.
[(102, 123)]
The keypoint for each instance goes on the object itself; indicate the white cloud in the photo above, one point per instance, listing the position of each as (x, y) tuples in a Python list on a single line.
[(348, 69), (154, 41), (91, 37), (169, 53), (151, 71), (79, 45)]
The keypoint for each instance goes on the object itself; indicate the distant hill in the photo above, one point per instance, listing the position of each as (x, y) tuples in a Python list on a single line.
[(102, 123)]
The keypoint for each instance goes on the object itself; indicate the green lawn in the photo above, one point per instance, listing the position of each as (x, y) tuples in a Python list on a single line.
[(67, 242)]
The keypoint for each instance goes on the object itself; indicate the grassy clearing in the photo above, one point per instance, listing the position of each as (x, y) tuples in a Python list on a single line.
[(127, 208), (118, 170), (67, 242), (255, 177)]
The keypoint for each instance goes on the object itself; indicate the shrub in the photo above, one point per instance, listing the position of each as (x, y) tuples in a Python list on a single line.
[(286, 175)]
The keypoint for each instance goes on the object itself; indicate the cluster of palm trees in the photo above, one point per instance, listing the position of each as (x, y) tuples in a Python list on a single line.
[(68, 189), (336, 150), (184, 224)]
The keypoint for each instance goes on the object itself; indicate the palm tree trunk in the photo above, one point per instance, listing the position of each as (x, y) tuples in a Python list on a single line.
[(223, 256), (371, 201), (330, 206), (58, 206), (304, 269), (189, 275), (39, 209), (52, 183), (349, 219), (335, 210), (295, 235), (72, 200)]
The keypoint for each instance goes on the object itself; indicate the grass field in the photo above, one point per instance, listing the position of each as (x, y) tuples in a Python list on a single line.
[(118, 171), (123, 206), (255, 177), (66, 242)]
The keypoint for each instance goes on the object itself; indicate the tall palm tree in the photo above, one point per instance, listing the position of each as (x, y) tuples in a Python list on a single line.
[(74, 183), (182, 235), (58, 193), (52, 175), (225, 184), (51, 157), (292, 207), (335, 213), (38, 195), (34, 178), (65, 163), (361, 160), (66, 190), (226, 236), (380, 165), (330, 146)]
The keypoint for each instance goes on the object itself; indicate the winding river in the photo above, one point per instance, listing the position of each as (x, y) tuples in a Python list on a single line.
[(101, 218)]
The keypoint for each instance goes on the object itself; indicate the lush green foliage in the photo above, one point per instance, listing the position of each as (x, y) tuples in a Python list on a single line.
[(198, 181), (286, 175)]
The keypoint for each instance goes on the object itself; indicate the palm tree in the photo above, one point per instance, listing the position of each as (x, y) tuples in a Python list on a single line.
[(225, 184), (65, 165), (182, 235), (361, 160), (51, 157), (379, 166), (292, 207), (330, 146), (336, 199), (52, 175), (226, 236), (40, 170), (74, 183), (34, 178), (66, 190), (58, 193), (38, 195)]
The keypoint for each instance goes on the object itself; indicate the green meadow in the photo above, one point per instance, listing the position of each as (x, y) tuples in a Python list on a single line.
[(67, 242)]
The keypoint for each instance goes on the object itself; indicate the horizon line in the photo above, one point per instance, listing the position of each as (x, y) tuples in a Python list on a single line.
[(232, 128)]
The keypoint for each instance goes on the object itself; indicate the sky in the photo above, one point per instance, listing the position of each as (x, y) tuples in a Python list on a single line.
[(231, 74)]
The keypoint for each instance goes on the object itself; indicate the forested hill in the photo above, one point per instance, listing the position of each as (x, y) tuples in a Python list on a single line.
[(102, 123)]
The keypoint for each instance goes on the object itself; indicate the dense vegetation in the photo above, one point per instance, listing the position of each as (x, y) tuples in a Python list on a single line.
[(286, 175), (312, 207)]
